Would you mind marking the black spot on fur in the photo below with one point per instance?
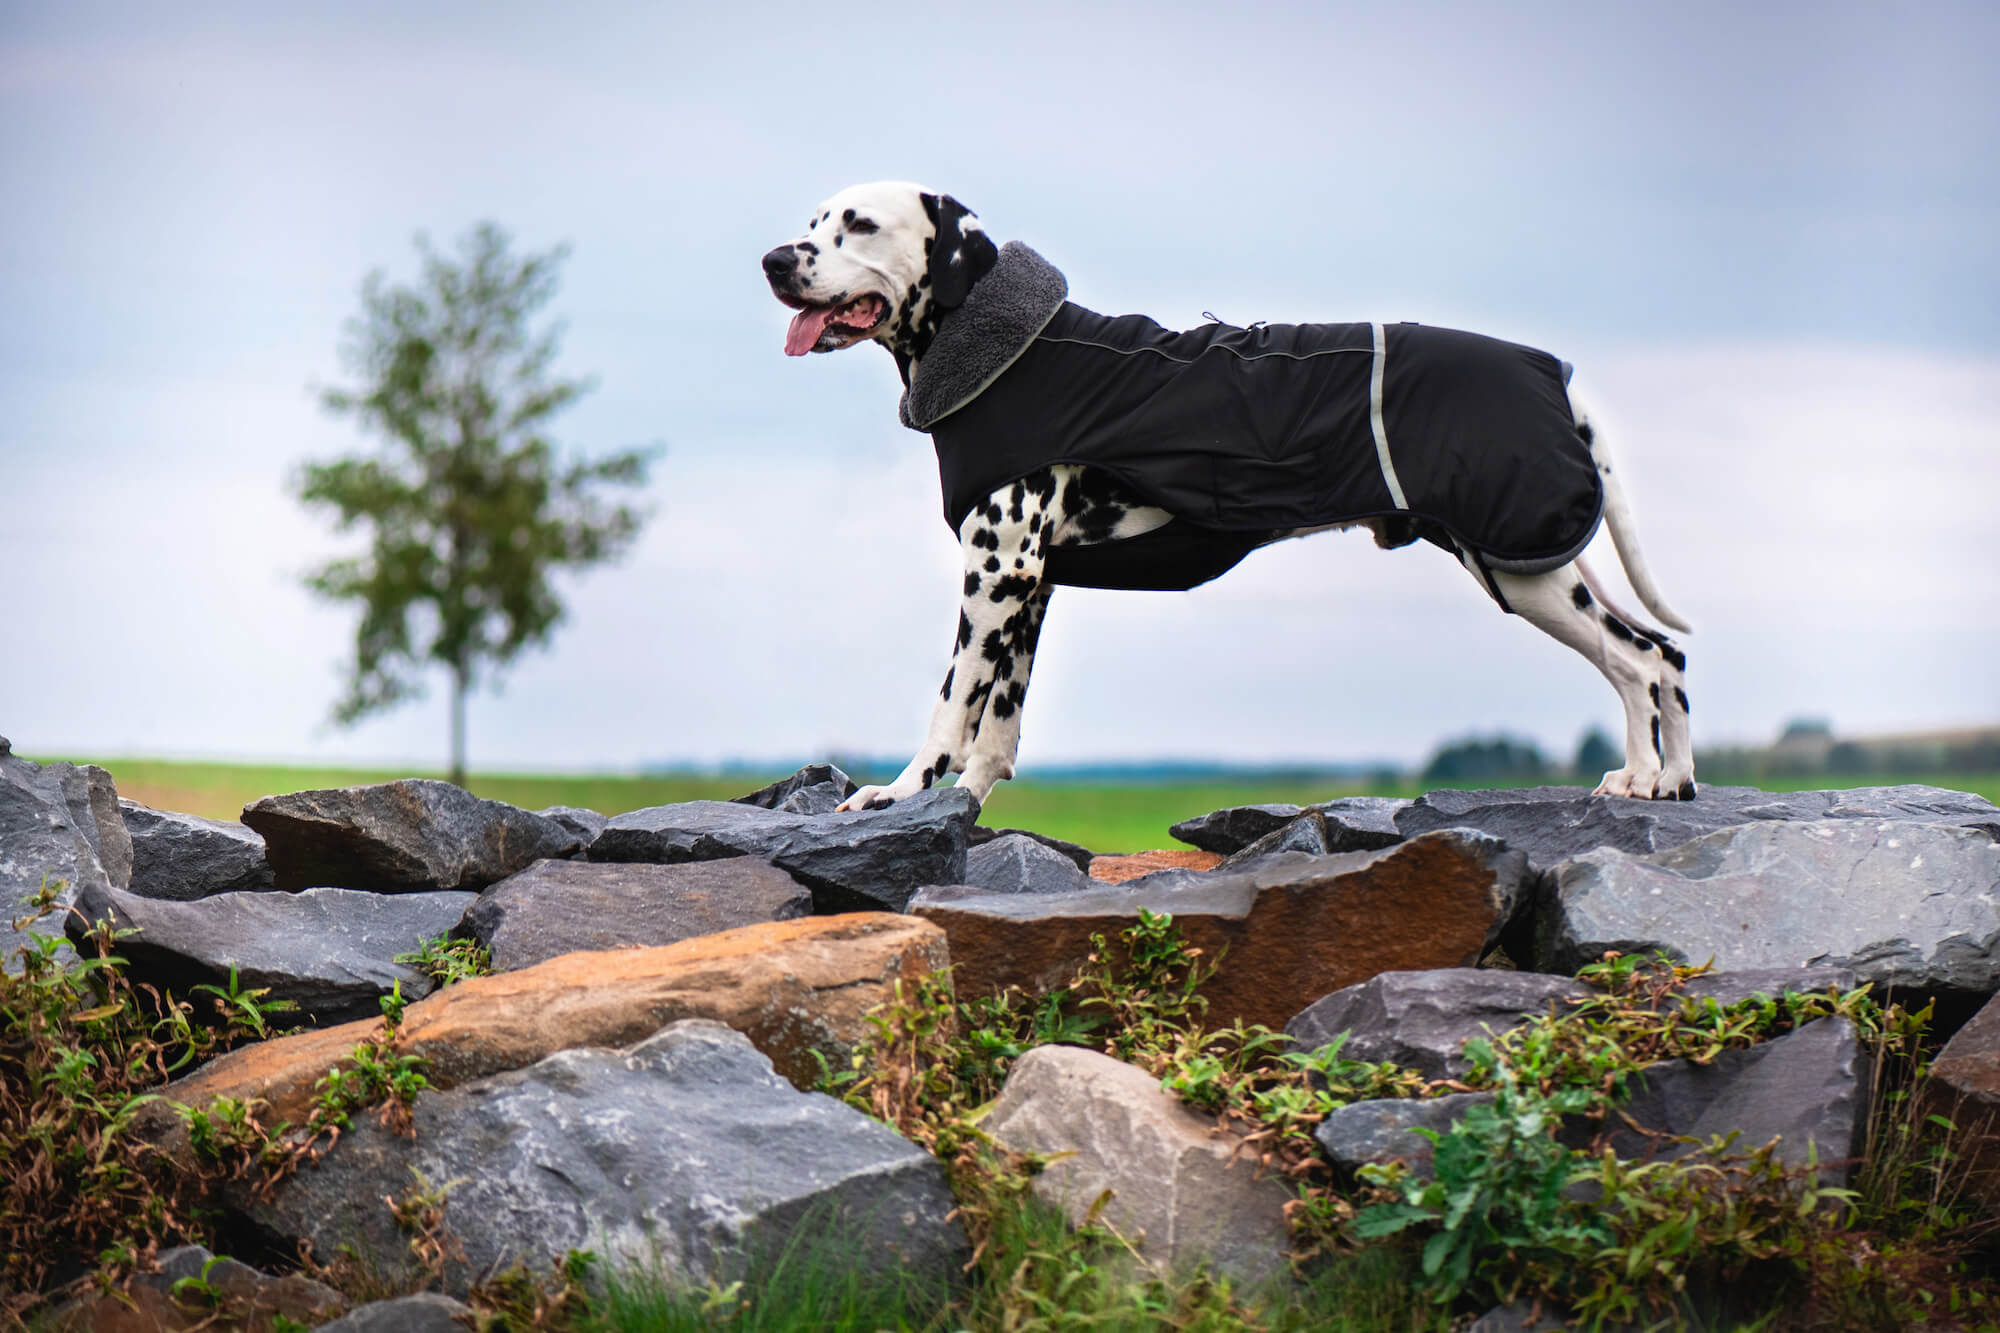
(971, 583)
(964, 632)
(1011, 586)
(1680, 697)
(992, 650)
(1015, 499)
(1675, 657)
(1019, 563)
(949, 676)
(1025, 541)
(1619, 629)
(848, 216)
(1581, 596)
(837, 240)
(1585, 432)
(943, 764)
(1654, 690)
(986, 539)
(863, 226)
(1003, 707)
(807, 247)
(1656, 738)
(992, 564)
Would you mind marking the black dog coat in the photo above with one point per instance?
(1246, 434)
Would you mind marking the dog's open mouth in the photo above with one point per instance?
(837, 324)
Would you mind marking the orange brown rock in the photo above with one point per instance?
(1288, 931)
(1118, 869)
(792, 987)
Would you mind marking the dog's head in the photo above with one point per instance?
(886, 262)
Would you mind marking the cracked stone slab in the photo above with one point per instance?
(330, 952)
(58, 823)
(684, 1151)
(1910, 907)
(559, 907)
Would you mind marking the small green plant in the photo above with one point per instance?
(447, 961)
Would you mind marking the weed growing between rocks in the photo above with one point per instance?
(446, 960)
(81, 1047)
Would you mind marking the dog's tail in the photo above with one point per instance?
(1618, 518)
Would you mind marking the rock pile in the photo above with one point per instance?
(671, 984)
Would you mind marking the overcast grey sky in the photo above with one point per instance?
(1764, 234)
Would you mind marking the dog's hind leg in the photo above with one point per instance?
(1642, 664)
(1000, 617)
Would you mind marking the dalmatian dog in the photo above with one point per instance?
(896, 264)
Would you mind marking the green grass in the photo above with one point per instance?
(1107, 818)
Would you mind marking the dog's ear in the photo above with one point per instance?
(959, 257)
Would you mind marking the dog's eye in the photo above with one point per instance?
(862, 226)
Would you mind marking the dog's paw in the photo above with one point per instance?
(1647, 785)
(877, 798)
(1636, 783)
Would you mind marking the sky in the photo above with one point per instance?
(1764, 234)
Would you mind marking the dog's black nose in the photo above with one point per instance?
(781, 262)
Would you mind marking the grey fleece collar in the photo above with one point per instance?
(1002, 314)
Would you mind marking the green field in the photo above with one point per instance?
(1126, 817)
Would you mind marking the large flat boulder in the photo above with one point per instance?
(1294, 927)
(1908, 906)
(50, 832)
(1552, 824)
(685, 1154)
(864, 860)
(329, 952)
(799, 990)
(559, 907)
(410, 836)
(1179, 1193)
(184, 857)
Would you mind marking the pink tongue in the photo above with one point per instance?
(806, 327)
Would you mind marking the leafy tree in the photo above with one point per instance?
(468, 507)
(1596, 755)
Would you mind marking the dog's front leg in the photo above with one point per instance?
(1000, 615)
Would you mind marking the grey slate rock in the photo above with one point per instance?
(815, 789)
(585, 824)
(1306, 834)
(184, 857)
(864, 860)
(1350, 823)
(245, 1290)
(559, 907)
(329, 951)
(425, 1312)
(408, 836)
(1809, 1086)
(93, 803)
(1385, 1129)
(1076, 852)
(1421, 1020)
(1908, 906)
(1020, 864)
(684, 1151)
(48, 831)
(1552, 824)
